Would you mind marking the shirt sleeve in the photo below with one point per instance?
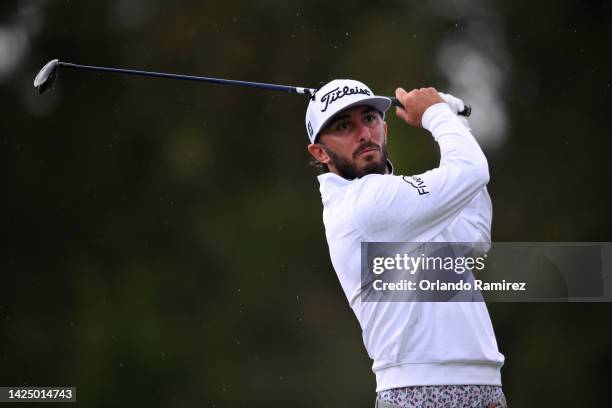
(473, 224)
(405, 208)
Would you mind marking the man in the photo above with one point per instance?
(426, 354)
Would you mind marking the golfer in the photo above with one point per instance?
(426, 354)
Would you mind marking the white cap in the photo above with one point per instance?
(336, 96)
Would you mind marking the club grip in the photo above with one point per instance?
(467, 110)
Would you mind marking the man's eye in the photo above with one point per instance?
(369, 118)
(342, 126)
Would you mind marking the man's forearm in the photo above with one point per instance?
(458, 148)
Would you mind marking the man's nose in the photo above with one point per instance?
(363, 133)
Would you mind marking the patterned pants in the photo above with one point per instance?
(444, 396)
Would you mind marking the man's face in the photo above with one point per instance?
(354, 143)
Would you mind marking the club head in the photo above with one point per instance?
(46, 76)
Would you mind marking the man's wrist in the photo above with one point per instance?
(433, 111)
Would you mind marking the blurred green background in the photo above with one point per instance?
(163, 243)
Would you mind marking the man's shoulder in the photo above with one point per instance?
(332, 183)
(372, 182)
(361, 193)
(355, 189)
(370, 192)
(356, 202)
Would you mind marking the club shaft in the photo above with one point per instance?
(231, 82)
(220, 81)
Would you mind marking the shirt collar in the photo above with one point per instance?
(389, 166)
(330, 182)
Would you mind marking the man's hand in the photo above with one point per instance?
(415, 104)
(456, 106)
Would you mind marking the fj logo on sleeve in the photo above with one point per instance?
(417, 183)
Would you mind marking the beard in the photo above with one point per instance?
(348, 168)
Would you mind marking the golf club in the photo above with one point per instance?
(47, 75)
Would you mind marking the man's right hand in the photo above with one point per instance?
(415, 104)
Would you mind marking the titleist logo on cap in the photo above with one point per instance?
(323, 105)
(335, 94)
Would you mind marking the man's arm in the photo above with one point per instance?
(419, 207)
(473, 224)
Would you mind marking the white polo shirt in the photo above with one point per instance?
(418, 343)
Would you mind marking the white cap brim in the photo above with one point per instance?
(380, 103)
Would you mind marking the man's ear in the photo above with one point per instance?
(318, 152)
